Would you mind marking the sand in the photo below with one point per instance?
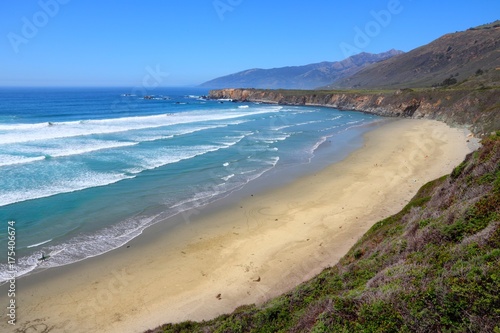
(246, 251)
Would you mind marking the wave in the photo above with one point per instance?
(226, 178)
(278, 128)
(65, 149)
(38, 244)
(19, 133)
(80, 247)
(83, 181)
(150, 136)
(206, 194)
(153, 159)
(6, 160)
(62, 150)
(137, 160)
(319, 143)
(271, 137)
(143, 160)
(74, 146)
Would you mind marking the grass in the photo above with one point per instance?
(433, 267)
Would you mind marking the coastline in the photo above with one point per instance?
(247, 251)
(458, 107)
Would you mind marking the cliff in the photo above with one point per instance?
(477, 108)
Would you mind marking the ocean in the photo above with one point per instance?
(85, 170)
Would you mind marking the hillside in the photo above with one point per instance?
(459, 56)
(298, 77)
(433, 267)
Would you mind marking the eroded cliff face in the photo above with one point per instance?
(478, 109)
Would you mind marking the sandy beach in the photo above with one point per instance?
(247, 251)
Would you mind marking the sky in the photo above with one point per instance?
(187, 42)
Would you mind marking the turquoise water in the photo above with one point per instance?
(83, 171)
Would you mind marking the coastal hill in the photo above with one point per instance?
(454, 58)
(299, 77)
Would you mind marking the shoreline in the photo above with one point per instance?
(324, 154)
(247, 251)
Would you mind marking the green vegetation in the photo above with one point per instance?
(433, 267)
(449, 82)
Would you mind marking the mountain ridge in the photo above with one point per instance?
(450, 59)
(299, 77)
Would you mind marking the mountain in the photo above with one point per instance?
(299, 77)
(453, 58)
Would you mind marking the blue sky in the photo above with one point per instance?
(119, 43)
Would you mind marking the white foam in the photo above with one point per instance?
(38, 244)
(141, 160)
(227, 177)
(152, 138)
(60, 149)
(278, 128)
(18, 133)
(6, 160)
(164, 156)
(83, 181)
(319, 143)
(80, 247)
(89, 147)
(273, 161)
(272, 137)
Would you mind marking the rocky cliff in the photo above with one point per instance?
(477, 108)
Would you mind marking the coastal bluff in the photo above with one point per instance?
(477, 108)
